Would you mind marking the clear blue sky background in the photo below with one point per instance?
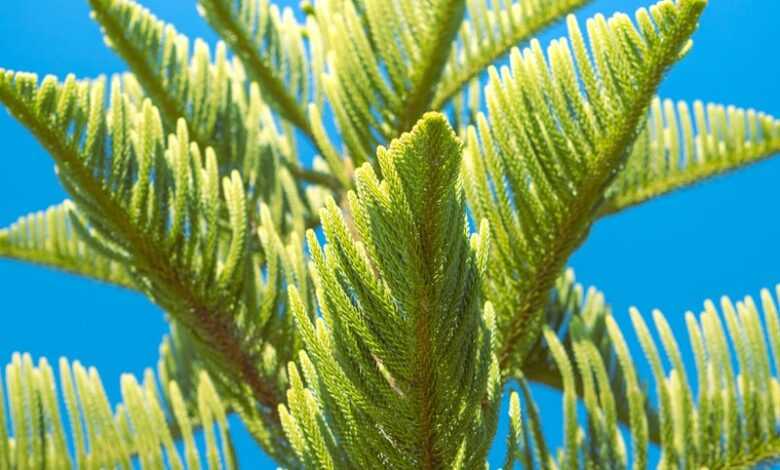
(718, 238)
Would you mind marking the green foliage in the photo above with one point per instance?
(575, 315)
(154, 206)
(398, 298)
(731, 422)
(384, 60)
(270, 45)
(670, 154)
(98, 435)
(222, 109)
(573, 140)
(388, 346)
(492, 30)
(50, 239)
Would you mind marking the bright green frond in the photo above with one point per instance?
(138, 195)
(678, 148)
(135, 432)
(48, 238)
(179, 362)
(153, 204)
(384, 59)
(491, 29)
(182, 83)
(390, 344)
(270, 44)
(731, 421)
(401, 366)
(220, 106)
(558, 129)
(576, 315)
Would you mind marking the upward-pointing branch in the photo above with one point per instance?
(555, 138)
(220, 14)
(447, 19)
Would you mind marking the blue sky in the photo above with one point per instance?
(717, 238)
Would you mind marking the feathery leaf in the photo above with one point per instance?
(153, 205)
(553, 141)
(491, 29)
(671, 153)
(221, 108)
(403, 363)
(49, 238)
(269, 43)
(731, 423)
(101, 436)
(384, 59)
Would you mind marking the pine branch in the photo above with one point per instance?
(233, 27)
(554, 380)
(113, 15)
(572, 148)
(99, 436)
(731, 423)
(491, 31)
(672, 154)
(384, 60)
(209, 96)
(436, 47)
(576, 316)
(124, 213)
(48, 238)
(399, 371)
(609, 157)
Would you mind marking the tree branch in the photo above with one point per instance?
(449, 16)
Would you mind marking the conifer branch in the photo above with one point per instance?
(389, 345)
(606, 160)
(575, 154)
(208, 315)
(384, 61)
(577, 315)
(220, 14)
(47, 238)
(490, 33)
(98, 434)
(410, 312)
(206, 95)
(671, 153)
(136, 56)
(731, 422)
(554, 380)
(447, 17)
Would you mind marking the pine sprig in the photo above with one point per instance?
(101, 436)
(269, 43)
(732, 422)
(672, 153)
(154, 208)
(389, 345)
(576, 315)
(492, 29)
(573, 141)
(49, 238)
(402, 368)
(447, 16)
(383, 60)
(222, 109)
